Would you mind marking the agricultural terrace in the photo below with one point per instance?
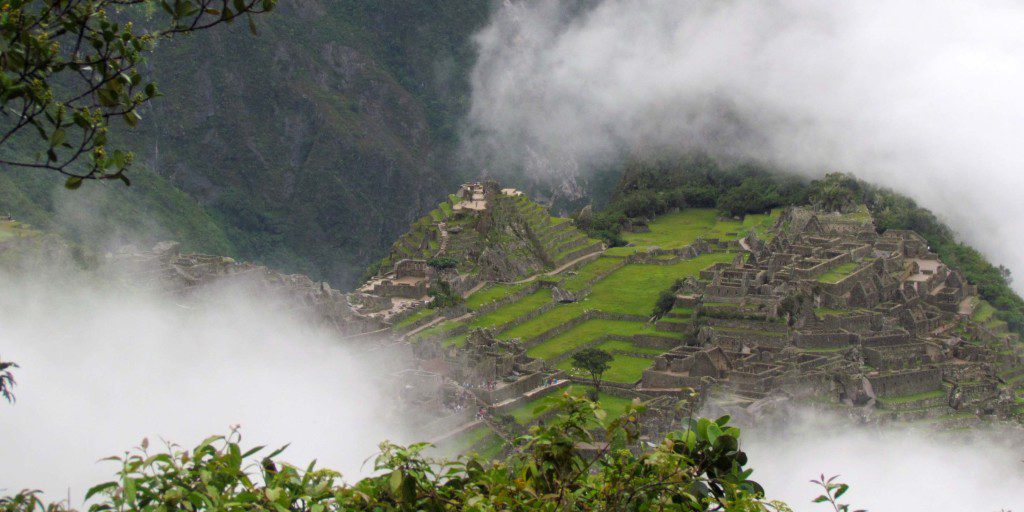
(606, 285)
(525, 413)
(677, 230)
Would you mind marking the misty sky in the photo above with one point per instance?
(923, 97)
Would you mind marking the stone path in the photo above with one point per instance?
(558, 270)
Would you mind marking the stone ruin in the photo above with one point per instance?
(829, 305)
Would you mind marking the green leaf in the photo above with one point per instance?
(98, 489)
(252, 26)
(395, 481)
(73, 183)
(57, 137)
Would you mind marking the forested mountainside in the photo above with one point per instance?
(308, 148)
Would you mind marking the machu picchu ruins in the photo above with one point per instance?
(488, 298)
(795, 305)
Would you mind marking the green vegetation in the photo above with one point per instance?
(589, 272)
(493, 292)
(543, 323)
(634, 289)
(983, 311)
(415, 317)
(586, 332)
(514, 310)
(593, 361)
(67, 86)
(622, 369)
(698, 469)
(838, 274)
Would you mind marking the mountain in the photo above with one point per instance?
(308, 147)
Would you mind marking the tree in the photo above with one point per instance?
(752, 195)
(70, 67)
(443, 263)
(593, 361)
(699, 469)
(7, 380)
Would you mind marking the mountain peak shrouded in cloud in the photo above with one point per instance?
(924, 100)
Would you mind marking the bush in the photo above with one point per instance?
(695, 470)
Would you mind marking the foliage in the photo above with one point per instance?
(444, 296)
(833, 491)
(698, 469)
(666, 300)
(753, 195)
(443, 263)
(70, 67)
(835, 193)
(7, 381)
(593, 361)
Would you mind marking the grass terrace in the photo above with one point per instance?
(838, 274)
(543, 323)
(612, 404)
(634, 289)
(983, 312)
(510, 312)
(625, 346)
(680, 229)
(589, 272)
(823, 312)
(622, 369)
(493, 292)
(420, 314)
(588, 332)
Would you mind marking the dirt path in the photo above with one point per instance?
(559, 270)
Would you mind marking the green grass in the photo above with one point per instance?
(557, 316)
(435, 330)
(512, 311)
(983, 312)
(523, 413)
(838, 274)
(446, 209)
(625, 346)
(613, 405)
(822, 312)
(623, 369)
(588, 272)
(415, 317)
(584, 333)
(468, 439)
(680, 229)
(634, 289)
(761, 223)
(491, 293)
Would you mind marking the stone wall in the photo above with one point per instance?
(907, 382)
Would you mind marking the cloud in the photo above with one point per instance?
(888, 469)
(103, 365)
(922, 98)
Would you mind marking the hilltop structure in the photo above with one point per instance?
(788, 306)
(798, 305)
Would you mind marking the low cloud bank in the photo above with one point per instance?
(888, 469)
(925, 99)
(103, 365)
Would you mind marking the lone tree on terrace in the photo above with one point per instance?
(595, 362)
(68, 68)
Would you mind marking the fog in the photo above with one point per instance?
(888, 469)
(923, 98)
(103, 365)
